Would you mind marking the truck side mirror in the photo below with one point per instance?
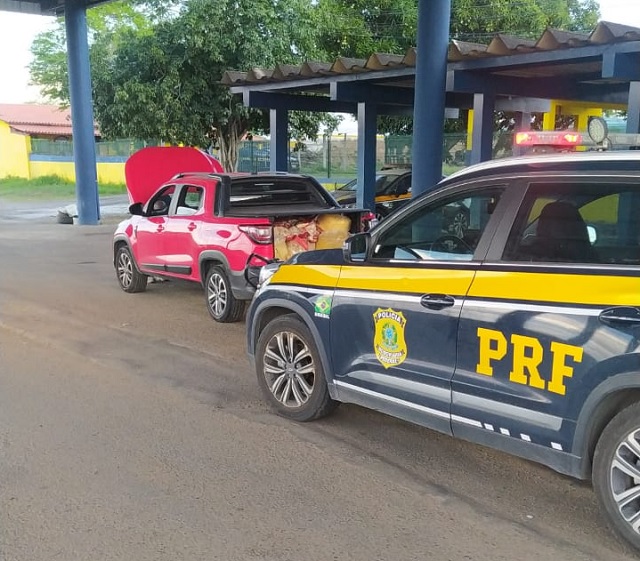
(356, 248)
(136, 209)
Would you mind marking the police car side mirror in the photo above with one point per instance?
(356, 247)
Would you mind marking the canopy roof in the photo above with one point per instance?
(44, 7)
(595, 67)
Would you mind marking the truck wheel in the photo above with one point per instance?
(616, 473)
(221, 303)
(130, 279)
(289, 371)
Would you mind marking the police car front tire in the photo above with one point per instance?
(616, 473)
(290, 372)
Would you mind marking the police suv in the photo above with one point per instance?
(522, 333)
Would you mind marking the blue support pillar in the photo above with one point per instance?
(279, 143)
(429, 96)
(633, 109)
(482, 137)
(84, 148)
(367, 129)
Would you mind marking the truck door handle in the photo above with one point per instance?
(160, 228)
(437, 301)
(621, 316)
(191, 227)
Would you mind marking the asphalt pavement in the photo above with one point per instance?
(132, 428)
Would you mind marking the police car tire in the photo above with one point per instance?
(319, 403)
(623, 424)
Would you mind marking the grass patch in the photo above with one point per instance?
(49, 187)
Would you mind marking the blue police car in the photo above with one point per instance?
(521, 333)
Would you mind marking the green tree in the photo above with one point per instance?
(105, 23)
(166, 83)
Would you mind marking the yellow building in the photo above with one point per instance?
(23, 125)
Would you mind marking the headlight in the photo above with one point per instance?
(266, 273)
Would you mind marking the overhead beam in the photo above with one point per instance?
(547, 58)
(343, 91)
(621, 66)
(294, 102)
(20, 7)
(321, 83)
(264, 100)
(546, 88)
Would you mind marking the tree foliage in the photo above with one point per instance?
(105, 24)
(166, 84)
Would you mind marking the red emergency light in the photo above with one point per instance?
(548, 138)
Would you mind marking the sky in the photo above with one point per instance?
(17, 32)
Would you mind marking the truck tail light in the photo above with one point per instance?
(258, 234)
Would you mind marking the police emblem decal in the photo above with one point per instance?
(388, 340)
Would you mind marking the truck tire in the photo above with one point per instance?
(290, 372)
(129, 278)
(223, 306)
(616, 473)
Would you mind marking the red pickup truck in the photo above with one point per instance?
(192, 221)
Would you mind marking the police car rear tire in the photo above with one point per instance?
(290, 372)
(616, 473)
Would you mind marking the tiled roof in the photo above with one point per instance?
(28, 114)
(43, 130)
(38, 119)
(501, 45)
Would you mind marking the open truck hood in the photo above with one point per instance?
(149, 168)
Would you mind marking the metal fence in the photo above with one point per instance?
(104, 149)
(333, 156)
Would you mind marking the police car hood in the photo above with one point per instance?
(149, 168)
(318, 257)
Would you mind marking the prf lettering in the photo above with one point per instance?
(527, 357)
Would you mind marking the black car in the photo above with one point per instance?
(393, 190)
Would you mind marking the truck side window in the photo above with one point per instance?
(190, 200)
(160, 203)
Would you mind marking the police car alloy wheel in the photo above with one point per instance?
(616, 473)
(290, 372)
(129, 278)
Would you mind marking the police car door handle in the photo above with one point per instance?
(437, 301)
(621, 316)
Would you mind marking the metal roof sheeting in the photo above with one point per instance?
(459, 51)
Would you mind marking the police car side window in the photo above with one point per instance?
(577, 223)
(447, 230)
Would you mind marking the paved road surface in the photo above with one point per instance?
(131, 428)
